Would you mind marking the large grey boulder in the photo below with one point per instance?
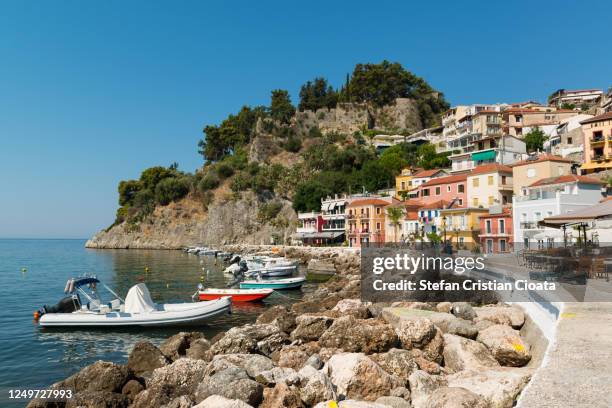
(462, 354)
(232, 383)
(253, 364)
(145, 357)
(393, 402)
(446, 322)
(198, 349)
(315, 386)
(279, 316)
(99, 376)
(310, 327)
(355, 335)
(506, 345)
(455, 397)
(356, 376)
(463, 310)
(398, 362)
(176, 346)
(96, 399)
(352, 307)
(277, 375)
(422, 385)
(509, 315)
(498, 386)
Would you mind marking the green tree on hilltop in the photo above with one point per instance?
(281, 108)
(316, 95)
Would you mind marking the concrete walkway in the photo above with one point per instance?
(577, 372)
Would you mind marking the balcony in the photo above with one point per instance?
(306, 229)
(307, 215)
(527, 225)
(506, 186)
(597, 140)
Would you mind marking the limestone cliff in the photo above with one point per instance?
(186, 222)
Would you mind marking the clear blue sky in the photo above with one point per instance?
(94, 92)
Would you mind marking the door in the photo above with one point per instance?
(489, 246)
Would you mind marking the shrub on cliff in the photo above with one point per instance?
(171, 189)
(317, 94)
(268, 211)
(293, 144)
(208, 182)
(224, 170)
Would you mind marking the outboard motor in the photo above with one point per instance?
(234, 259)
(68, 304)
(238, 272)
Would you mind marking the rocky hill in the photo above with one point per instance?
(228, 218)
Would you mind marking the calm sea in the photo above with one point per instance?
(32, 357)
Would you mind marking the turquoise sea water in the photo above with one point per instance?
(32, 357)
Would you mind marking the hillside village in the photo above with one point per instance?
(498, 193)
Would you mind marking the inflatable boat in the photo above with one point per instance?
(138, 309)
(237, 295)
(289, 283)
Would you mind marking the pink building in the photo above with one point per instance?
(451, 188)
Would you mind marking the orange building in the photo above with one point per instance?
(597, 143)
(365, 221)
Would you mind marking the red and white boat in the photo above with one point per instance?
(237, 295)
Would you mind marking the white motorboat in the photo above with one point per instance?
(138, 309)
(271, 266)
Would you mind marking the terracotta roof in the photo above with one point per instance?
(605, 116)
(435, 204)
(570, 178)
(490, 168)
(542, 158)
(368, 201)
(427, 173)
(445, 180)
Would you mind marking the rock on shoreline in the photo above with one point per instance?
(328, 347)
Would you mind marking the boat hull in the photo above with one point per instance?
(237, 295)
(292, 283)
(184, 314)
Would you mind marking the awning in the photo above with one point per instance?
(325, 207)
(485, 155)
(595, 165)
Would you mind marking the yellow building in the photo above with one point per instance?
(489, 184)
(403, 182)
(461, 226)
(597, 143)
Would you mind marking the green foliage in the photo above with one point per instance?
(375, 176)
(316, 95)
(429, 159)
(567, 105)
(153, 175)
(208, 182)
(434, 238)
(235, 131)
(224, 170)
(380, 84)
(242, 181)
(281, 108)
(293, 144)
(171, 189)
(535, 139)
(314, 132)
(269, 211)
(127, 191)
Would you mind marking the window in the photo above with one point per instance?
(491, 200)
(531, 173)
(426, 192)
(461, 201)
(561, 170)
(475, 201)
(475, 182)
(504, 180)
(378, 226)
(502, 245)
(437, 190)
(488, 226)
(502, 226)
(490, 180)
(377, 210)
(448, 189)
(460, 188)
(403, 187)
(569, 140)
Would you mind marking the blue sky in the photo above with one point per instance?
(94, 92)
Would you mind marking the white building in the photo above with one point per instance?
(504, 150)
(547, 198)
(333, 211)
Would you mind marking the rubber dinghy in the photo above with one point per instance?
(237, 295)
(138, 309)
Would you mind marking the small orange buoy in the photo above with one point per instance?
(36, 315)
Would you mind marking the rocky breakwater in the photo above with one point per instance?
(328, 347)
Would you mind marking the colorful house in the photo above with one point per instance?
(496, 230)
(429, 217)
(408, 224)
(597, 143)
(409, 180)
(488, 185)
(449, 188)
(365, 221)
(461, 226)
(534, 168)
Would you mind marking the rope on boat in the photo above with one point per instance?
(285, 296)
